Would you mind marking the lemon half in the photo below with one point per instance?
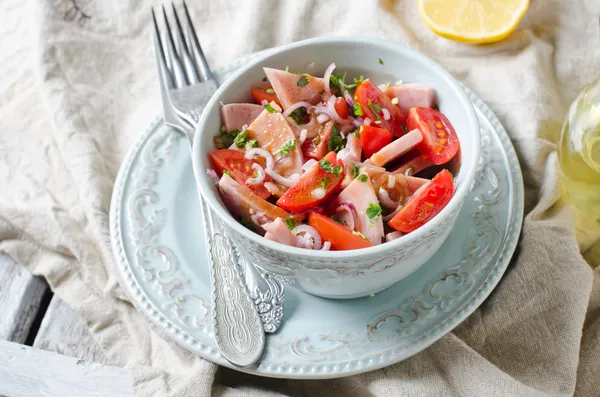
(473, 21)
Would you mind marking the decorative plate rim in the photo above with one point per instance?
(393, 354)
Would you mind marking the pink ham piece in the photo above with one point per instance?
(414, 165)
(411, 96)
(272, 131)
(396, 148)
(286, 87)
(349, 155)
(242, 202)
(237, 115)
(360, 195)
(278, 231)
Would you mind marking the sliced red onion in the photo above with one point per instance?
(281, 179)
(273, 188)
(367, 121)
(347, 214)
(357, 122)
(344, 154)
(318, 193)
(384, 198)
(386, 114)
(323, 118)
(244, 127)
(214, 178)
(294, 106)
(391, 181)
(393, 214)
(348, 98)
(419, 190)
(260, 178)
(303, 135)
(326, 246)
(310, 233)
(259, 218)
(393, 236)
(309, 163)
(374, 167)
(250, 153)
(264, 102)
(326, 78)
(333, 113)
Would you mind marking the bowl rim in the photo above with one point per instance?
(405, 240)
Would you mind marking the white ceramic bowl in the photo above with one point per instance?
(345, 274)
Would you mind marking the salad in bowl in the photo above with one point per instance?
(334, 162)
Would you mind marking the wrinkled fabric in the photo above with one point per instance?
(78, 85)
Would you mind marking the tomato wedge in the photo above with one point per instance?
(374, 139)
(315, 185)
(427, 203)
(341, 108)
(316, 148)
(261, 94)
(440, 142)
(373, 101)
(240, 169)
(340, 237)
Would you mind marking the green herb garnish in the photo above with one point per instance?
(373, 211)
(225, 172)
(228, 137)
(302, 81)
(287, 68)
(337, 170)
(375, 108)
(269, 108)
(253, 143)
(270, 91)
(404, 128)
(359, 234)
(324, 182)
(355, 171)
(362, 178)
(435, 107)
(338, 81)
(379, 61)
(240, 140)
(289, 145)
(336, 142)
(327, 167)
(338, 220)
(356, 133)
(299, 115)
(356, 109)
(264, 78)
(290, 222)
(316, 140)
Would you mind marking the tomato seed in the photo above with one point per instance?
(443, 142)
(439, 126)
(441, 133)
(438, 149)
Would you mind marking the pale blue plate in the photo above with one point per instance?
(157, 239)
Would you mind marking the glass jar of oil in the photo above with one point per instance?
(579, 157)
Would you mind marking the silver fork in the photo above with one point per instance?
(241, 314)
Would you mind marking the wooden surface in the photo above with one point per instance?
(29, 372)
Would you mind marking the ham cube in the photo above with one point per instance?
(411, 96)
(288, 91)
(272, 131)
(237, 115)
(278, 231)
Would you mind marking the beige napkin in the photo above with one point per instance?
(78, 86)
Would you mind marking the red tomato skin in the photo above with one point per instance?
(299, 196)
(367, 91)
(374, 139)
(440, 143)
(339, 236)
(317, 151)
(426, 205)
(341, 108)
(260, 94)
(239, 167)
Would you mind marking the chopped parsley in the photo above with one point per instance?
(404, 128)
(324, 182)
(435, 107)
(373, 211)
(241, 138)
(302, 81)
(338, 220)
(287, 68)
(289, 145)
(225, 172)
(269, 108)
(228, 137)
(355, 171)
(356, 109)
(270, 91)
(338, 81)
(327, 167)
(253, 143)
(379, 61)
(264, 78)
(290, 222)
(316, 140)
(299, 115)
(362, 178)
(359, 234)
(375, 108)
(336, 142)
(356, 133)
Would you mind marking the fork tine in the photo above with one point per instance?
(195, 48)
(188, 64)
(176, 69)
(159, 53)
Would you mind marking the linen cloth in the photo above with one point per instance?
(78, 86)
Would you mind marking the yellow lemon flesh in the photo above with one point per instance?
(473, 21)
